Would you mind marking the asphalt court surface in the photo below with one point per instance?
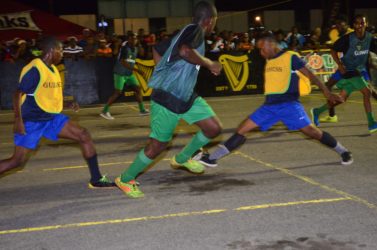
(278, 191)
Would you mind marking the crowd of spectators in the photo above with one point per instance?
(91, 45)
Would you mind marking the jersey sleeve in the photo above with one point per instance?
(29, 81)
(342, 44)
(297, 63)
(162, 46)
(192, 37)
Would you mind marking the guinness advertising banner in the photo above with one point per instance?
(17, 20)
(320, 63)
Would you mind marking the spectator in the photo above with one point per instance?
(294, 44)
(282, 44)
(245, 45)
(22, 51)
(217, 44)
(104, 50)
(86, 34)
(90, 50)
(72, 51)
(229, 43)
(340, 28)
(295, 33)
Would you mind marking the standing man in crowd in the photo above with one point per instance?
(173, 98)
(124, 69)
(39, 115)
(352, 74)
(282, 103)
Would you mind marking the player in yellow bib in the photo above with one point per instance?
(37, 105)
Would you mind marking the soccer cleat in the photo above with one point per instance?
(107, 116)
(144, 112)
(190, 165)
(129, 188)
(314, 116)
(328, 118)
(104, 182)
(346, 158)
(373, 128)
(206, 161)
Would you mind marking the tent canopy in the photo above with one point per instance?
(23, 21)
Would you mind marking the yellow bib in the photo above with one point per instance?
(49, 92)
(278, 74)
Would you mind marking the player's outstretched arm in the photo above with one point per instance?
(19, 127)
(192, 56)
(332, 98)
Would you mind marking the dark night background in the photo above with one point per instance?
(69, 7)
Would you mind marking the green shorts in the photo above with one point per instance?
(163, 121)
(120, 81)
(352, 84)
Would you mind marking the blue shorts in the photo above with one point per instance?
(292, 114)
(337, 76)
(34, 131)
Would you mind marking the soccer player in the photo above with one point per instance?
(352, 72)
(173, 98)
(123, 75)
(281, 104)
(39, 115)
(355, 58)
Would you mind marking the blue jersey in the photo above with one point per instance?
(30, 110)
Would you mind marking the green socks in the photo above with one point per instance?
(141, 107)
(198, 141)
(140, 163)
(370, 117)
(106, 108)
(321, 109)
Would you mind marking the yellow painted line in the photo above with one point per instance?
(310, 181)
(101, 165)
(166, 216)
(293, 203)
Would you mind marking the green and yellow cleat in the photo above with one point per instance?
(190, 165)
(372, 128)
(329, 119)
(129, 188)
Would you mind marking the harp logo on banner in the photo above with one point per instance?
(236, 69)
(144, 73)
(17, 20)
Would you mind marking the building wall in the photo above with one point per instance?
(87, 21)
(146, 8)
(279, 19)
(235, 21)
(122, 25)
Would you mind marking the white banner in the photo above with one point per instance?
(17, 20)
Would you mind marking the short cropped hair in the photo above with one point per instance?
(358, 16)
(204, 10)
(49, 42)
(267, 36)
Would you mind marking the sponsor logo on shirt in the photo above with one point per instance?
(361, 52)
(274, 69)
(52, 85)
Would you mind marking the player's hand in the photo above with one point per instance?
(215, 68)
(334, 98)
(342, 69)
(19, 127)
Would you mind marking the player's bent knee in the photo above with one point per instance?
(154, 148)
(84, 136)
